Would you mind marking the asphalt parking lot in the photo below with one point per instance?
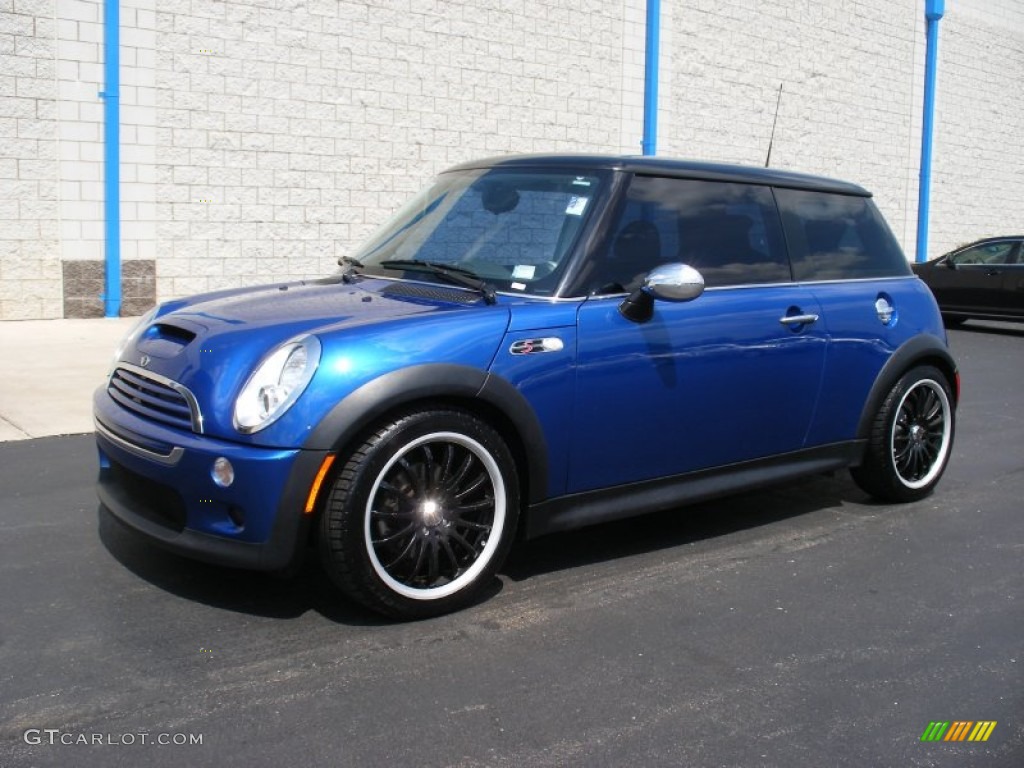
(803, 626)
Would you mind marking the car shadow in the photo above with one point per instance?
(269, 595)
(683, 525)
(308, 588)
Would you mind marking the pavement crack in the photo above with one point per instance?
(16, 427)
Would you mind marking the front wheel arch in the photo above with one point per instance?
(490, 397)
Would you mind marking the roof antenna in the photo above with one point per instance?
(775, 121)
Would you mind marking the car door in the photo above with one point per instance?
(1009, 299)
(727, 377)
(973, 279)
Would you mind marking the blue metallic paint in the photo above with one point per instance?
(860, 344)
(711, 381)
(546, 380)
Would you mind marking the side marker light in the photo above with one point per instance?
(325, 467)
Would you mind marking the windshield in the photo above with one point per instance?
(512, 229)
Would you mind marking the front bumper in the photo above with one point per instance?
(156, 480)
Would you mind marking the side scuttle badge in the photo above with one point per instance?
(534, 346)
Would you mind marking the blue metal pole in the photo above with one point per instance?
(112, 157)
(653, 42)
(934, 10)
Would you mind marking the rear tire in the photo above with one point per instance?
(422, 515)
(911, 438)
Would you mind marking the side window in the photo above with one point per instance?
(833, 237)
(730, 232)
(990, 253)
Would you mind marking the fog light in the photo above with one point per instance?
(223, 473)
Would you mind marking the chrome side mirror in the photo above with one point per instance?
(675, 282)
(669, 282)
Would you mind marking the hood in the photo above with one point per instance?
(306, 305)
(212, 343)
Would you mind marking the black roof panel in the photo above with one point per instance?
(663, 166)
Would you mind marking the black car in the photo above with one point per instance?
(983, 280)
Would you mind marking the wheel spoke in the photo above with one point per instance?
(930, 407)
(396, 535)
(450, 554)
(402, 555)
(461, 523)
(411, 474)
(446, 467)
(460, 539)
(477, 506)
(428, 467)
(474, 485)
(463, 470)
(421, 550)
(389, 515)
(433, 566)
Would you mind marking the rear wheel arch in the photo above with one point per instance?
(919, 351)
(911, 439)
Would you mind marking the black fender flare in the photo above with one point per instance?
(438, 381)
(919, 349)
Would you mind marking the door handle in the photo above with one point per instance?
(798, 319)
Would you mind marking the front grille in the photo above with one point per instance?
(154, 397)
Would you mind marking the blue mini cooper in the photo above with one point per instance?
(532, 344)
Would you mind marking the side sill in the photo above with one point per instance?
(578, 510)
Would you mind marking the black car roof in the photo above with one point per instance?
(662, 166)
(982, 241)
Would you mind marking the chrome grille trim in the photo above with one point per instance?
(155, 397)
(168, 459)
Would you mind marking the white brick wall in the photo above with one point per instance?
(260, 140)
(978, 173)
(288, 133)
(79, 52)
(30, 272)
(847, 76)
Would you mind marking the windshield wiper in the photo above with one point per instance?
(350, 274)
(452, 273)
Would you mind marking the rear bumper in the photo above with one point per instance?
(157, 481)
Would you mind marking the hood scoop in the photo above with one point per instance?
(164, 340)
(429, 293)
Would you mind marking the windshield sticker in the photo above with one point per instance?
(580, 181)
(576, 205)
(523, 272)
(519, 286)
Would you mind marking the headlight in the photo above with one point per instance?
(129, 338)
(276, 383)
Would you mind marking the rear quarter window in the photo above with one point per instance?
(838, 237)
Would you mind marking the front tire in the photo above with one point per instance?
(911, 438)
(421, 515)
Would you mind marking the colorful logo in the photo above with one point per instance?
(958, 730)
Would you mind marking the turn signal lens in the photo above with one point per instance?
(314, 491)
